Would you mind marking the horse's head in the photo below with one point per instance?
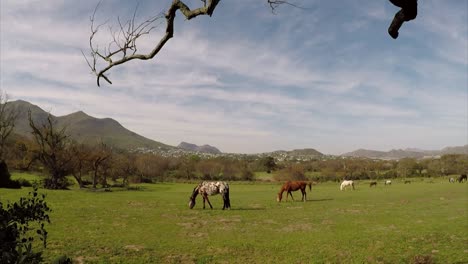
(279, 197)
(192, 197)
(191, 203)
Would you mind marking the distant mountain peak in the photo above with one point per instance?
(204, 148)
(85, 128)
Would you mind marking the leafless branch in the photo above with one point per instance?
(8, 116)
(276, 3)
(123, 46)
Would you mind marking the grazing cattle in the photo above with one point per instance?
(462, 178)
(345, 184)
(374, 183)
(451, 180)
(388, 182)
(406, 182)
(292, 186)
(206, 189)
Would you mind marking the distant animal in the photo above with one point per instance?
(292, 186)
(407, 181)
(388, 182)
(345, 184)
(451, 180)
(462, 178)
(208, 188)
(374, 183)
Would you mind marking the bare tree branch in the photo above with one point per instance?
(8, 117)
(276, 3)
(123, 46)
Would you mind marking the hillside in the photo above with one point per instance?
(84, 128)
(406, 153)
(203, 149)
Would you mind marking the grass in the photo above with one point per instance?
(387, 224)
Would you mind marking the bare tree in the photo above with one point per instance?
(8, 117)
(7, 122)
(100, 162)
(54, 152)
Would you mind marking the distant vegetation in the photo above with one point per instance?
(67, 147)
(102, 166)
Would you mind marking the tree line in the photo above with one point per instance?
(51, 151)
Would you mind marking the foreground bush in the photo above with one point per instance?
(15, 226)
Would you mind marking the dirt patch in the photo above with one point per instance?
(134, 247)
(79, 260)
(197, 235)
(179, 259)
(297, 227)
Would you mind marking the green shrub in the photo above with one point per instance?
(15, 220)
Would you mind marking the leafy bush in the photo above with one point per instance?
(15, 220)
(56, 183)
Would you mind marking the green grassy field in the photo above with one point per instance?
(387, 224)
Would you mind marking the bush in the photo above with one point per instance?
(56, 184)
(247, 175)
(16, 246)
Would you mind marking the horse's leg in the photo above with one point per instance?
(204, 199)
(290, 193)
(208, 200)
(304, 195)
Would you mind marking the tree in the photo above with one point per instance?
(53, 151)
(269, 163)
(123, 45)
(80, 164)
(7, 123)
(100, 161)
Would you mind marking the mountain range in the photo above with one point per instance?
(83, 128)
(90, 130)
(406, 153)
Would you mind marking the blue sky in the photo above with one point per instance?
(245, 80)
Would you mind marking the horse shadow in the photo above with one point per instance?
(248, 209)
(320, 200)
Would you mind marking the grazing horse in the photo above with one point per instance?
(211, 188)
(462, 178)
(451, 180)
(388, 182)
(374, 183)
(407, 181)
(345, 184)
(292, 186)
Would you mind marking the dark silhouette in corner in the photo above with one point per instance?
(409, 11)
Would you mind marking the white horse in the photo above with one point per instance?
(345, 184)
(388, 182)
(211, 188)
(451, 180)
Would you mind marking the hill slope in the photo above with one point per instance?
(84, 128)
(204, 148)
(406, 153)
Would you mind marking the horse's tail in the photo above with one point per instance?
(227, 201)
(310, 186)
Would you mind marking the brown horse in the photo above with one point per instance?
(292, 186)
(374, 183)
